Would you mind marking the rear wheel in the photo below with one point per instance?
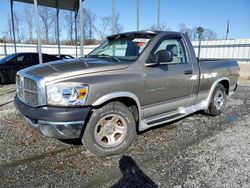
(218, 101)
(110, 130)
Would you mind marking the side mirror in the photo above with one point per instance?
(163, 56)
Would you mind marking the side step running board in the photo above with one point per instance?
(154, 121)
(160, 120)
(168, 117)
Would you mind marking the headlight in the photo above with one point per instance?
(67, 94)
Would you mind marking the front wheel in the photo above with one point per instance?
(218, 101)
(110, 130)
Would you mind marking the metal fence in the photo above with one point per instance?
(238, 49)
(8, 48)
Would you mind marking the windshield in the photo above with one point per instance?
(122, 47)
(7, 58)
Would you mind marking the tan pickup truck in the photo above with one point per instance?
(131, 82)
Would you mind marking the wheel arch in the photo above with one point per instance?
(224, 81)
(127, 98)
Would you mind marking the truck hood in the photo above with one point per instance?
(73, 67)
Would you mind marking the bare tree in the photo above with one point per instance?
(8, 33)
(184, 29)
(5, 36)
(17, 22)
(209, 34)
(118, 26)
(28, 19)
(104, 27)
(70, 21)
(89, 23)
(53, 20)
(9, 29)
(163, 27)
(194, 34)
(46, 22)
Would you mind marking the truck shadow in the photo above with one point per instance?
(76, 142)
(133, 176)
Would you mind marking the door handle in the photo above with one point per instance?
(188, 72)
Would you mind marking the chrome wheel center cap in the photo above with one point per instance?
(109, 128)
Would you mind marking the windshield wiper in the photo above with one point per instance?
(106, 55)
(112, 57)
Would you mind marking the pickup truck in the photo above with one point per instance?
(132, 82)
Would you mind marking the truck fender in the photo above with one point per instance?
(115, 95)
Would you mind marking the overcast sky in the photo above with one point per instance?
(211, 14)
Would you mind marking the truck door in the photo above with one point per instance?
(168, 85)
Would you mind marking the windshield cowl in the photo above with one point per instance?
(106, 56)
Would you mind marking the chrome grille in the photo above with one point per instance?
(30, 84)
(27, 90)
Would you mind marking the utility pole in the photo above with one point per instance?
(227, 29)
(158, 14)
(76, 12)
(138, 16)
(113, 17)
(57, 30)
(13, 24)
(81, 28)
(39, 48)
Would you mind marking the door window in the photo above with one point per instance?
(20, 58)
(24, 59)
(48, 58)
(17, 60)
(175, 47)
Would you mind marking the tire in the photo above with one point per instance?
(110, 130)
(218, 101)
(1, 80)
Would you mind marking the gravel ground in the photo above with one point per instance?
(197, 151)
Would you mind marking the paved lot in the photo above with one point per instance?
(197, 151)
